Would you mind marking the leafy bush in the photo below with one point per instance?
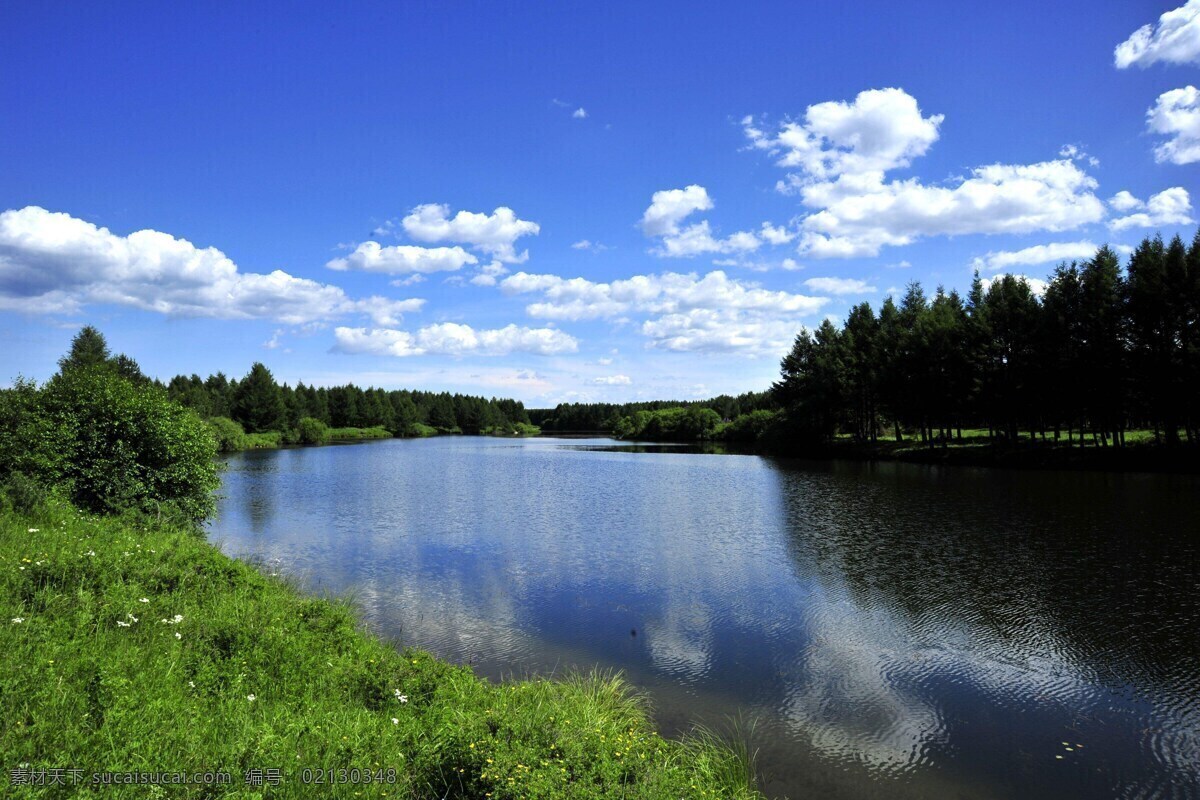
(670, 424)
(125, 445)
(23, 494)
(228, 434)
(312, 431)
(420, 430)
(749, 427)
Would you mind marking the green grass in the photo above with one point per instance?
(421, 430)
(265, 440)
(356, 434)
(255, 675)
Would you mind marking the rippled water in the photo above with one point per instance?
(886, 630)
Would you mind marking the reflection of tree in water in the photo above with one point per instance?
(1097, 569)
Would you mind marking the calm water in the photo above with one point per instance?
(887, 630)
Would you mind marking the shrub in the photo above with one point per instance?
(310, 430)
(127, 446)
(749, 427)
(228, 434)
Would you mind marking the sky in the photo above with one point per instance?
(560, 202)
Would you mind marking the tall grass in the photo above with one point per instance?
(132, 647)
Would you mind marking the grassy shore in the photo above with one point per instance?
(134, 648)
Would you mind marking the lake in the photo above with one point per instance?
(874, 630)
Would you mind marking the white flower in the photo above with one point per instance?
(192, 684)
(90, 553)
(395, 721)
(144, 599)
(132, 617)
(403, 698)
(18, 620)
(178, 618)
(178, 635)
(34, 530)
(122, 624)
(251, 698)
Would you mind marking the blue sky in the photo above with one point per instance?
(564, 202)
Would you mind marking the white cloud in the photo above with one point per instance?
(1124, 201)
(403, 259)
(1174, 40)
(613, 380)
(1176, 114)
(839, 285)
(488, 274)
(604, 362)
(843, 150)
(579, 113)
(721, 330)
(881, 130)
(688, 311)
(1038, 254)
(585, 244)
(411, 280)
(774, 235)
(669, 207)
(861, 214)
(1169, 207)
(51, 262)
(494, 234)
(1036, 285)
(454, 339)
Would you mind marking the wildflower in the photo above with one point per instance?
(178, 618)
(395, 721)
(122, 624)
(192, 684)
(251, 698)
(18, 620)
(33, 530)
(132, 617)
(90, 553)
(178, 635)
(403, 698)
(144, 599)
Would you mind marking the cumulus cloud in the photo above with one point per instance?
(454, 339)
(839, 285)
(403, 259)
(668, 208)
(53, 262)
(1124, 201)
(688, 310)
(1038, 254)
(1175, 39)
(494, 234)
(1176, 114)
(1169, 207)
(579, 113)
(613, 380)
(488, 274)
(883, 129)
(843, 150)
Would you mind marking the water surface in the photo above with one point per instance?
(886, 630)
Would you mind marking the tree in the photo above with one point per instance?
(257, 403)
(88, 349)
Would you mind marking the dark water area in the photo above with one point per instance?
(876, 630)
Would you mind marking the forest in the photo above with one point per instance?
(257, 411)
(1104, 357)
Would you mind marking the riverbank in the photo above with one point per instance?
(133, 647)
(271, 440)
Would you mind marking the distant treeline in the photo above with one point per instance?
(606, 417)
(259, 405)
(1100, 353)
